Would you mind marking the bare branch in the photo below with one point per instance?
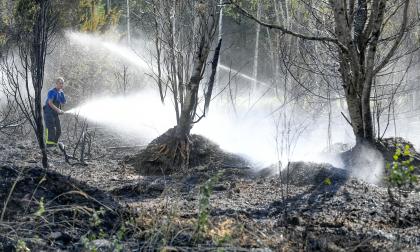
(282, 28)
(397, 40)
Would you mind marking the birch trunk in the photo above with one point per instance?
(171, 150)
(256, 50)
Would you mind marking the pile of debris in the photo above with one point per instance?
(202, 152)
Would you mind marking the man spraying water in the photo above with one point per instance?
(52, 109)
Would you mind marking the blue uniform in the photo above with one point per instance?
(52, 122)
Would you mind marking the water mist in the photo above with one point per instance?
(239, 129)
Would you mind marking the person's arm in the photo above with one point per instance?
(51, 104)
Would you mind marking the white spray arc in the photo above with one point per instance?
(90, 41)
(138, 114)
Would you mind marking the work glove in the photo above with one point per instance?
(60, 112)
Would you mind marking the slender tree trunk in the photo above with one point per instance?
(190, 102)
(367, 114)
(171, 150)
(358, 26)
(220, 33)
(256, 49)
(38, 55)
(204, 32)
(108, 6)
(128, 24)
(355, 113)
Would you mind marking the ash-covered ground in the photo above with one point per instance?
(106, 205)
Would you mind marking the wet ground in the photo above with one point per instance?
(106, 205)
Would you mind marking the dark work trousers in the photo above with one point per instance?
(52, 127)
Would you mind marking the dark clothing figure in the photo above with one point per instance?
(52, 122)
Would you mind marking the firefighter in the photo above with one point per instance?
(52, 109)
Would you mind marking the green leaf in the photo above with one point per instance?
(327, 181)
(41, 209)
(407, 150)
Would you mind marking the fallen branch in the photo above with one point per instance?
(68, 157)
(10, 126)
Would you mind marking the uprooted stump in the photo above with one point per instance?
(163, 154)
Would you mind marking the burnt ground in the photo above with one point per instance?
(107, 205)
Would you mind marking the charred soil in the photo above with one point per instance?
(220, 203)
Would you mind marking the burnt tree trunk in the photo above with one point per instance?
(38, 55)
(35, 24)
(205, 27)
(171, 151)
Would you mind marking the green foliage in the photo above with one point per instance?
(68, 13)
(3, 39)
(86, 241)
(400, 176)
(116, 239)
(26, 12)
(401, 170)
(204, 206)
(94, 18)
(327, 181)
(5, 17)
(295, 5)
(95, 220)
(250, 5)
(21, 246)
(231, 11)
(41, 209)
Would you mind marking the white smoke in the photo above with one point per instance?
(368, 165)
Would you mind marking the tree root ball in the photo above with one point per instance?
(169, 153)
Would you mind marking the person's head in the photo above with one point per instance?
(59, 83)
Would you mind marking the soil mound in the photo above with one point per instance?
(203, 152)
(57, 209)
(388, 147)
(307, 173)
(361, 156)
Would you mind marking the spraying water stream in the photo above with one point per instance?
(142, 114)
(125, 53)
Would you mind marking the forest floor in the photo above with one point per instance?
(107, 205)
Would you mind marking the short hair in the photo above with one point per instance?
(60, 79)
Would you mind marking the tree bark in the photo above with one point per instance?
(357, 28)
(38, 55)
(171, 150)
(256, 49)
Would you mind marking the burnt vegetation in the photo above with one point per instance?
(344, 73)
